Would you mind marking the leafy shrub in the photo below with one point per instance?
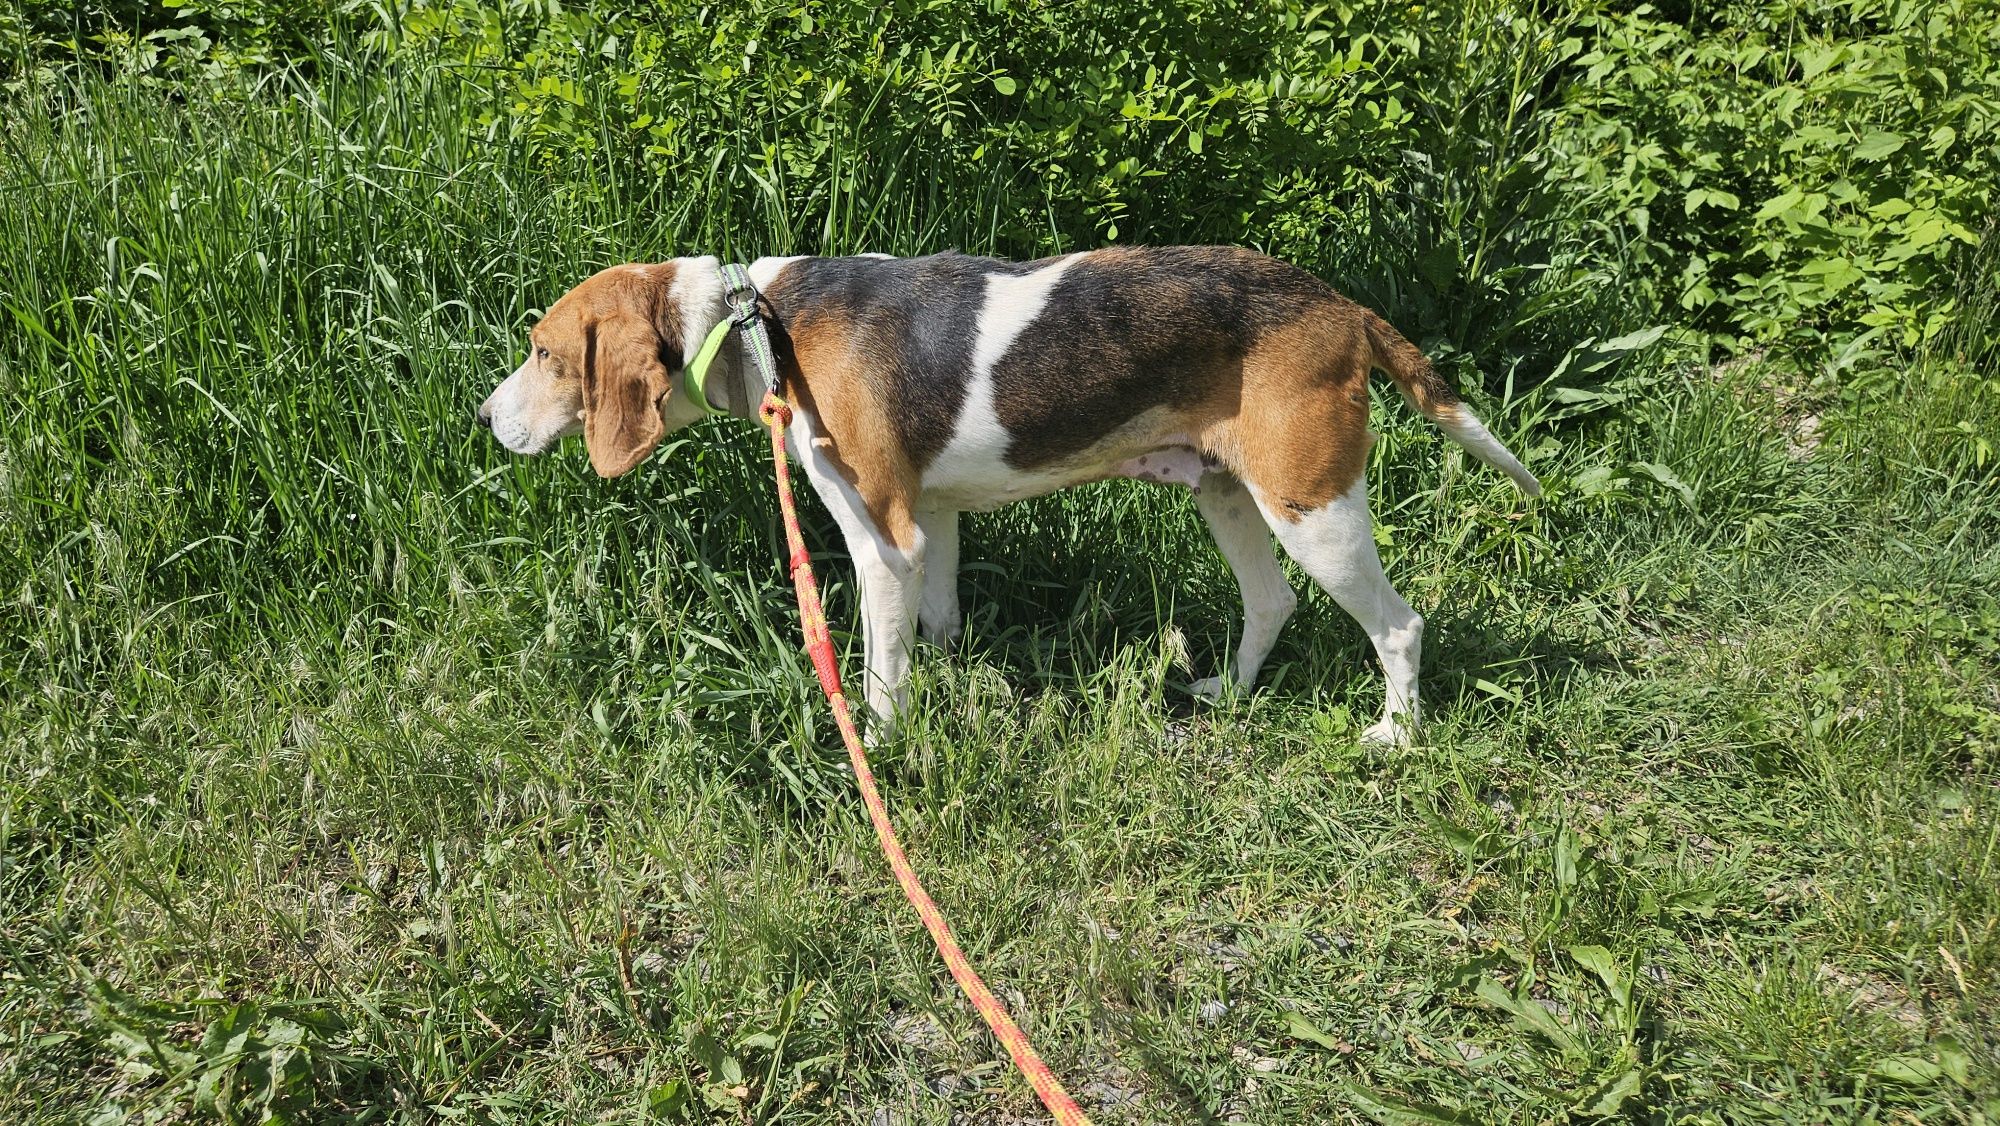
(1792, 174)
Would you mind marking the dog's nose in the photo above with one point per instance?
(485, 419)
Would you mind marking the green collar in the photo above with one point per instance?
(694, 378)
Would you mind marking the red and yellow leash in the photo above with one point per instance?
(819, 645)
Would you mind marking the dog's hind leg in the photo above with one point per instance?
(1268, 601)
(938, 617)
(1299, 441)
(1335, 544)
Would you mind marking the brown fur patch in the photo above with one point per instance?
(829, 371)
(1419, 382)
(1300, 435)
(623, 383)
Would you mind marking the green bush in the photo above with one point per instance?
(1795, 174)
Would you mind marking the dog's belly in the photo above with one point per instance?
(978, 484)
(1172, 465)
(984, 483)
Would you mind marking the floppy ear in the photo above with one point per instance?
(623, 383)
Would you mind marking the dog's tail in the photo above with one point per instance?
(1434, 399)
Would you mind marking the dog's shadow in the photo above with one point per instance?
(1053, 595)
(1049, 600)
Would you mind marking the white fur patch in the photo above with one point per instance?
(697, 294)
(1461, 427)
(764, 271)
(525, 418)
(891, 582)
(1335, 544)
(972, 471)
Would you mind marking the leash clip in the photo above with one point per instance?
(740, 294)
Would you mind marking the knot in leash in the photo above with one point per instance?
(775, 410)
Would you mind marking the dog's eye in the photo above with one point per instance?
(541, 353)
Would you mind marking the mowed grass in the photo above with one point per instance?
(354, 770)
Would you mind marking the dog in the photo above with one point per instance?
(926, 387)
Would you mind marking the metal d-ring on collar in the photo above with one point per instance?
(740, 294)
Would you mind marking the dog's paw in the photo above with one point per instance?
(1387, 733)
(945, 633)
(1214, 689)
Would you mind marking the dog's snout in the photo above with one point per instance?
(484, 416)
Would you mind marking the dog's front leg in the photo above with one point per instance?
(887, 545)
(892, 582)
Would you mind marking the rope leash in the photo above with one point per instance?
(776, 414)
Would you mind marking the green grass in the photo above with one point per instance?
(352, 769)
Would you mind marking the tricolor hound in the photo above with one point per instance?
(924, 387)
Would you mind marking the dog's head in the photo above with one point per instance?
(601, 363)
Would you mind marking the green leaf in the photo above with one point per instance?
(1633, 341)
(1194, 140)
(1779, 204)
(1926, 229)
(1297, 1026)
(1617, 974)
(1597, 960)
(1598, 479)
(1579, 395)
(1393, 1111)
(1953, 1060)
(1666, 477)
(1005, 85)
(668, 1099)
(1911, 1071)
(1711, 197)
(1611, 1095)
(1876, 146)
(1530, 1014)
(1835, 274)
(1477, 846)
